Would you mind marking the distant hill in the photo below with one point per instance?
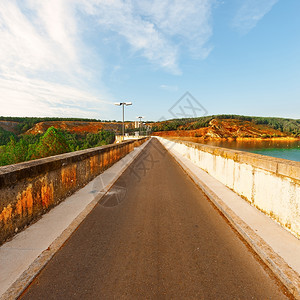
(229, 126)
(215, 126)
(17, 128)
(10, 126)
(35, 125)
(19, 125)
(78, 127)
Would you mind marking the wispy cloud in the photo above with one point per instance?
(37, 40)
(170, 88)
(42, 70)
(250, 13)
(152, 27)
(44, 59)
(33, 97)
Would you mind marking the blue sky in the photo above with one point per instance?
(75, 58)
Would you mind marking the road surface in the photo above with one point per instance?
(155, 236)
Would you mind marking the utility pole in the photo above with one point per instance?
(140, 122)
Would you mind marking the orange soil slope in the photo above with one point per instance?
(74, 126)
(226, 128)
(9, 126)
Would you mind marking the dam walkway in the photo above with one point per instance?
(155, 235)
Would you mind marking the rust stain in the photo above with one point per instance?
(6, 213)
(25, 202)
(93, 164)
(288, 225)
(100, 161)
(105, 159)
(47, 194)
(69, 176)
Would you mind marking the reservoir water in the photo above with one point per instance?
(291, 154)
(282, 149)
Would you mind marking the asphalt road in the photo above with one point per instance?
(155, 236)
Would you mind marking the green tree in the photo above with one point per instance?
(5, 136)
(14, 152)
(52, 142)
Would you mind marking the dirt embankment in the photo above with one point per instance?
(9, 126)
(227, 129)
(74, 126)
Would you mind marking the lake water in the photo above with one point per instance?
(282, 149)
(291, 154)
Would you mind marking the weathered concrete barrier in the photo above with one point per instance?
(119, 138)
(29, 189)
(270, 184)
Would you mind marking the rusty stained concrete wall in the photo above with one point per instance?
(29, 189)
(270, 184)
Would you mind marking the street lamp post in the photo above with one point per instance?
(146, 128)
(140, 122)
(123, 125)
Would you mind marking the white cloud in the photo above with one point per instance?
(251, 12)
(188, 22)
(158, 29)
(43, 57)
(36, 41)
(21, 96)
(42, 71)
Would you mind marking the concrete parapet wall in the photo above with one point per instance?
(29, 189)
(270, 184)
(119, 138)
